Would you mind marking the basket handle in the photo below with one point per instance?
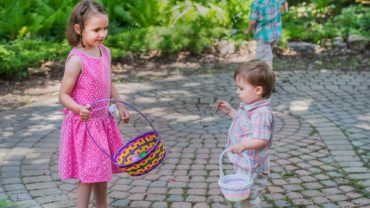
(120, 101)
(124, 103)
(220, 163)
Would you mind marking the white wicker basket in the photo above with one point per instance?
(235, 187)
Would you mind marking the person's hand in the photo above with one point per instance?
(247, 32)
(124, 114)
(85, 113)
(237, 148)
(223, 106)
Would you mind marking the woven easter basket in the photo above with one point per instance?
(235, 187)
(141, 154)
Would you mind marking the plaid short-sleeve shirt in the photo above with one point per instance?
(254, 121)
(267, 15)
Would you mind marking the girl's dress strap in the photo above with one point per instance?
(73, 52)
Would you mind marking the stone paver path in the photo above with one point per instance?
(320, 155)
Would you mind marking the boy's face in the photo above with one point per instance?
(247, 93)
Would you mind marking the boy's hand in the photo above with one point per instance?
(237, 148)
(223, 106)
(85, 113)
(124, 114)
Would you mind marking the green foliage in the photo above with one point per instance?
(169, 40)
(135, 13)
(44, 18)
(315, 21)
(352, 20)
(237, 12)
(17, 56)
(6, 203)
(32, 31)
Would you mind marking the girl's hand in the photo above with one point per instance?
(237, 148)
(223, 106)
(123, 113)
(85, 113)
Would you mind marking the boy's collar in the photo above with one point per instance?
(264, 102)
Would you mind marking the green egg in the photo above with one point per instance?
(142, 154)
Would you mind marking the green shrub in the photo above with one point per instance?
(314, 22)
(43, 18)
(169, 40)
(352, 20)
(33, 31)
(135, 13)
(17, 56)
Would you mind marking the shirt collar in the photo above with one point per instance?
(264, 102)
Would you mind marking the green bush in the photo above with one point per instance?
(17, 56)
(33, 31)
(314, 22)
(352, 20)
(42, 18)
(169, 40)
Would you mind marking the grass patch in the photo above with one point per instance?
(288, 175)
(6, 203)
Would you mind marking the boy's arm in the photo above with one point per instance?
(250, 144)
(232, 113)
(262, 129)
(225, 107)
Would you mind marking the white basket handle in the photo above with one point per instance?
(220, 163)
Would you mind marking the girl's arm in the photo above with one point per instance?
(124, 114)
(71, 72)
(114, 92)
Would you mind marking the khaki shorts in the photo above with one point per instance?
(264, 51)
(260, 181)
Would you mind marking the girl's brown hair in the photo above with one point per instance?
(80, 14)
(257, 73)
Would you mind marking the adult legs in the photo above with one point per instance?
(264, 52)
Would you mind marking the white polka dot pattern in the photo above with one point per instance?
(79, 157)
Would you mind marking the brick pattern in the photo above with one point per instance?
(319, 156)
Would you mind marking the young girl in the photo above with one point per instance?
(87, 79)
(251, 131)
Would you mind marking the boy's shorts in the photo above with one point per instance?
(260, 181)
(264, 51)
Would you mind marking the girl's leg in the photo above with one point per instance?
(83, 194)
(100, 194)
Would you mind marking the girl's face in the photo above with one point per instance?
(95, 30)
(247, 93)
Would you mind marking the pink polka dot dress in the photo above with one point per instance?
(79, 157)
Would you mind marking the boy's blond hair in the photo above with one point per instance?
(257, 73)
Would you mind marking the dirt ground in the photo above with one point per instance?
(44, 81)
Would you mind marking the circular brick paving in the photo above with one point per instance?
(319, 156)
